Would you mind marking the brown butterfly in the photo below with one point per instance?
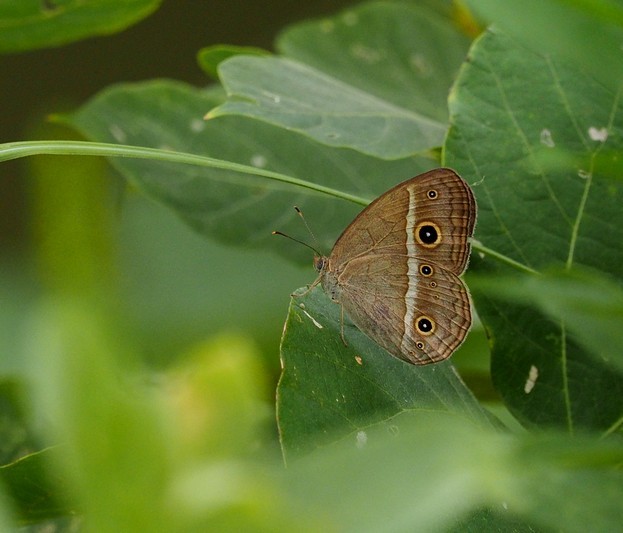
(394, 270)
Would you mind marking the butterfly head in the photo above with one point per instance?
(320, 263)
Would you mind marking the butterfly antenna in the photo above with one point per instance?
(296, 240)
(300, 213)
(314, 248)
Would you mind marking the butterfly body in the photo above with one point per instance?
(395, 268)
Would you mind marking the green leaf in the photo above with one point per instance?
(374, 78)
(566, 340)
(330, 391)
(588, 304)
(33, 490)
(587, 33)
(30, 24)
(15, 436)
(6, 513)
(210, 57)
(438, 470)
(540, 215)
(226, 204)
(401, 54)
(296, 97)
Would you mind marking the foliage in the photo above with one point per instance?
(40, 23)
(350, 106)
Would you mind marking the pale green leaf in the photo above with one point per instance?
(297, 97)
(406, 55)
(374, 78)
(441, 473)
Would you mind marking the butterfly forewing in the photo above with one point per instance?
(382, 227)
(441, 203)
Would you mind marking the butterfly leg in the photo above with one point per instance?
(342, 325)
(308, 289)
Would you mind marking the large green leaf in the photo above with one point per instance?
(509, 109)
(328, 390)
(404, 55)
(297, 97)
(29, 24)
(231, 206)
(374, 78)
(585, 32)
(435, 472)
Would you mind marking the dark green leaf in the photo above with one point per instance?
(29, 24)
(329, 391)
(589, 305)
(14, 435)
(35, 493)
(587, 33)
(553, 348)
(227, 205)
(210, 57)
(539, 215)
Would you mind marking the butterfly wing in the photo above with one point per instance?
(431, 216)
(419, 319)
(395, 268)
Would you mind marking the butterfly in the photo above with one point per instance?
(395, 269)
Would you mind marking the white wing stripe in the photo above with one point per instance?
(412, 272)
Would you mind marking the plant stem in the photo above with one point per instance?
(16, 150)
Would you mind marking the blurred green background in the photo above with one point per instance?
(173, 287)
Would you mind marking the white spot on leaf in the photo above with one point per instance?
(361, 439)
(118, 133)
(584, 174)
(533, 375)
(275, 98)
(258, 161)
(197, 125)
(598, 134)
(365, 53)
(316, 323)
(546, 138)
(421, 65)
